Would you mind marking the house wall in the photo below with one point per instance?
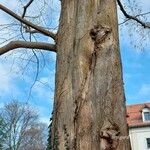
(138, 138)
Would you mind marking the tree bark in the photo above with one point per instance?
(89, 107)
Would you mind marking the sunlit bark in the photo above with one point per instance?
(89, 108)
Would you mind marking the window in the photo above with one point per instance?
(147, 116)
(148, 142)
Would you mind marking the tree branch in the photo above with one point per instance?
(24, 44)
(145, 25)
(28, 23)
(142, 14)
(25, 8)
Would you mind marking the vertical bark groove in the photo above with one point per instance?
(89, 100)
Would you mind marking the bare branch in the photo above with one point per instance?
(24, 44)
(142, 14)
(124, 21)
(129, 17)
(23, 15)
(25, 7)
(28, 23)
(28, 30)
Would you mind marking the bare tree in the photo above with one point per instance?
(35, 138)
(21, 122)
(89, 106)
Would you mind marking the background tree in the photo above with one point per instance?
(3, 132)
(35, 137)
(89, 106)
(23, 128)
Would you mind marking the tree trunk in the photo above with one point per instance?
(89, 107)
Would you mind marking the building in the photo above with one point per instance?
(138, 118)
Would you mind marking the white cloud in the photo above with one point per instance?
(6, 80)
(11, 4)
(45, 120)
(44, 89)
(10, 76)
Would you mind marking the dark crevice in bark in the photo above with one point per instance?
(79, 102)
(98, 35)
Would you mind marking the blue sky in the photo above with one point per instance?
(136, 73)
(17, 78)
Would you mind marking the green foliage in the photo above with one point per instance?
(3, 133)
(66, 138)
(55, 140)
(49, 146)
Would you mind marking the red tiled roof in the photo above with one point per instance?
(134, 115)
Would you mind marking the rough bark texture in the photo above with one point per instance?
(89, 108)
